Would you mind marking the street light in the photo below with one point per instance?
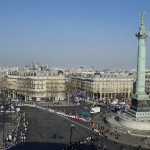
(3, 115)
(72, 126)
(10, 108)
(3, 127)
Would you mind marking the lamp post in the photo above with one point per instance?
(71, 132)
(10, 108)
(3, 128)
(100, 112)
(4, 115)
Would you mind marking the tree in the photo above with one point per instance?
(22, 87)
(4, 87)
(51, 89)
(68, 89)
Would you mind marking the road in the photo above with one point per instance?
(48, 131)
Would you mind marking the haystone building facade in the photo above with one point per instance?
(147, 83)
(36, 84)
(104, 85)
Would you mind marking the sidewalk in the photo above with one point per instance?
(8, 127)
(51, 104)
(124, 138)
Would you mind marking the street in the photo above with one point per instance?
(50, 131)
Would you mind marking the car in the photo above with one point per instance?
(77, 104)
(95, 110)
(122, 103)
(84, 114)
(114, 102)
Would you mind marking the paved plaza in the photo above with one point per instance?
(6, 125)
(51, 131)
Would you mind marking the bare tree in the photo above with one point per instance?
(51, 90)
(23, 88)
(2, 87)
(87, 90)
(75, 83)
(19, 90)
(68, 89)
(27, 87)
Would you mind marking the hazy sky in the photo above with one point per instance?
(70, 33)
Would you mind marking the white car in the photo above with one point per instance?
(77, 104)
(122, 103)
(114, 102)
(95, 110)
(7, 111)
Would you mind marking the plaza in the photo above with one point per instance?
(54, 132)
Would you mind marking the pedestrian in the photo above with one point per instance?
(140, 146)
(117, 137)
(21, 138)
(99, 148)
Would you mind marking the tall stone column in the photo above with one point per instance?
(140, 84)
(141, 61)
(140, 104)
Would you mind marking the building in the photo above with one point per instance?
(3, 72)
(147, 83)
(104, 85)
(36, 83)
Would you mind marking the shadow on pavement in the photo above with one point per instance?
(39, 146)
(48, 146)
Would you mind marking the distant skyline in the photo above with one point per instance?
(72, 33)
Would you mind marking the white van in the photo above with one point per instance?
(114, 102)
(122, 103)
(95, 110)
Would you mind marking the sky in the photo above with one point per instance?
(72, 33)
